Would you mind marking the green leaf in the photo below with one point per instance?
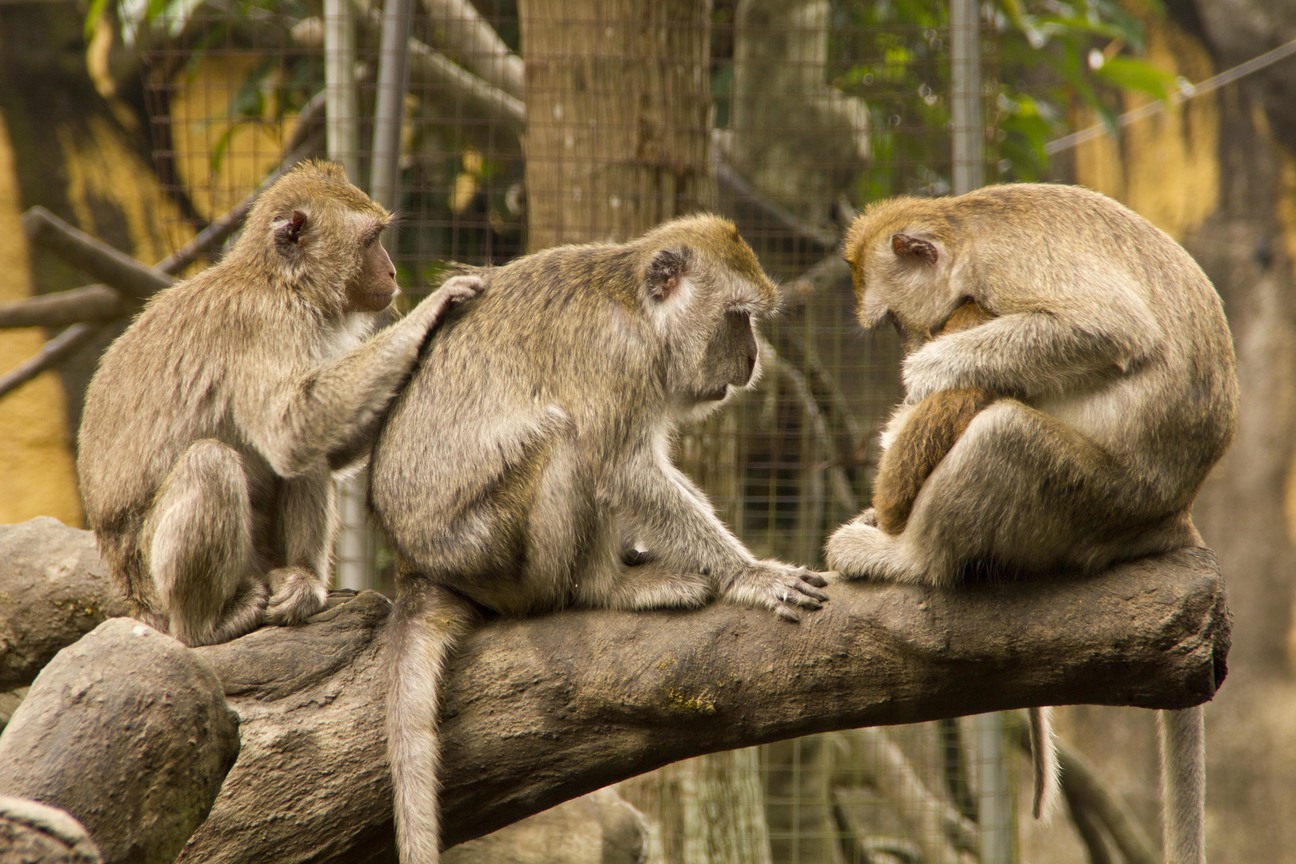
(93, 14)
(1131, 73)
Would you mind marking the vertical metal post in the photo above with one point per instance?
(968, 150)
(339, 86)
(968, 120)
(389, 112)
(994, 808)
(355, 558)
(343, 141)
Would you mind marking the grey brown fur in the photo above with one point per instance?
(214, 424)
(527, 468)
(1114, 378)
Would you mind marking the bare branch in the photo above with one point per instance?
(52, 353)
(457, 93)
(88, 303)
(474, 43)
(92, 255)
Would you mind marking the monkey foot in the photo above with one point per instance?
(296, 595)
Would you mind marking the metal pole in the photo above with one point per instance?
(968, 150)
(965, 97)
(343, 142)
(994, 810)
(354, 568)
(389, 112)
(339, 86)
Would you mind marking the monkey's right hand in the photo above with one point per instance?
(454, 290)
(457, 289)
(784, 588)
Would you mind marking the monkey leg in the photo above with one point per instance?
(197, 542)
(928, 432)
(648, 584)
(308, 519)
(572, 533)
(1023, 492)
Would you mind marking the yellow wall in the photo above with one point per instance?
(1166, 167)
(36, 472)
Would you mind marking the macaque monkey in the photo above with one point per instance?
(526, 467)
(214, 424)
(1112, 383)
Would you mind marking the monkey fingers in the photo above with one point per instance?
(781, 587)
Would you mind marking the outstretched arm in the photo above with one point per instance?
(333, 412)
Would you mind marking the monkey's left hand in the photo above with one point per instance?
(784, 588)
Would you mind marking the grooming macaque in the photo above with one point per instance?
(526, 467)
(1114, 389)
(214, 424)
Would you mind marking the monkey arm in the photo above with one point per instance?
(1037, 352)
(300, 420)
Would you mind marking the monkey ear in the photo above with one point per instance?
(288, 230)
(910, 247)
(666, 271)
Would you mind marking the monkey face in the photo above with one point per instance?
(374, 287)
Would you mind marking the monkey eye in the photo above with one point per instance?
(370, 240)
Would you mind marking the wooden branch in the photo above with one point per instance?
(542, 710)
(87, 303)
(95, 257)
(56, 590)
(127, 730)
(475, 44)
(52, 353)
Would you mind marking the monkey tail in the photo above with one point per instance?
(1183, 784)
(1044, 761)
(426, 624)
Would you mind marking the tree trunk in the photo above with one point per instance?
(618, 116)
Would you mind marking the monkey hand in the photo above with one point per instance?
(456, 289)
(295, 595)
(784, 588)
(929, 369)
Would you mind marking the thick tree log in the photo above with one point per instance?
(33, 832)
(542, 710)
(128, 731)
(54, 589)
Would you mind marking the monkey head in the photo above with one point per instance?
(704, 292)
(906, 270)
(315, 230)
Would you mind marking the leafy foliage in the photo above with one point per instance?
(1050, 56)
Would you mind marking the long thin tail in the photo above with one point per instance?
(1183, 785)
(425, 625)
(1044, 761)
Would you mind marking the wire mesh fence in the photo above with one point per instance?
(532, 123)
